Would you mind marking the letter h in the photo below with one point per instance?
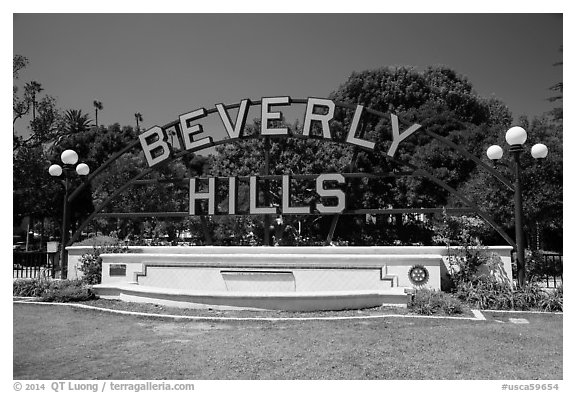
(196, 196)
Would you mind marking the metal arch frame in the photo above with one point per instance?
(176, 155)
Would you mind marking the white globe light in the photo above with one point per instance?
(494, 152)
(82, 169)
(539, 151)
(55, 170)
(516, 136)
(69, 157)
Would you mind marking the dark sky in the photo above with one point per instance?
(163, 65)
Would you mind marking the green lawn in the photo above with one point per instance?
(57, 342)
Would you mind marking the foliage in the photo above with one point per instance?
(19, 62)
(429, 302)
(558, 91)
(528, 297)
(487, 293)
(30, 287)
(480, 290)
(96, 146)
(442, 102)
(466, 254)
(98, 240)
(97, 107)
(537, 268)
(554, 301)
(465, 261)
(76, 121)
(138, 117)
(91, 262)
(459, 230)
(541, 183)
(439, 99)
(60, 291)
(35, 192)
(46, 118)
(64, 291)
(48, 125)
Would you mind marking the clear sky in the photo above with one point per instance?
(163, 65)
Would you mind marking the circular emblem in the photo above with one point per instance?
(418, 275)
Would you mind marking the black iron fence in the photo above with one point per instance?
(552, 270)
(33, 264)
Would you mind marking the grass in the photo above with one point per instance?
(58, 342)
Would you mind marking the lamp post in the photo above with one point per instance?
(516, 137)
(69, 159)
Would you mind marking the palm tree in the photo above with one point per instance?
(138, 117)
(32, 88)
(76, 121)
(97, 107)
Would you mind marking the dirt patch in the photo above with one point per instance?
(182, 333)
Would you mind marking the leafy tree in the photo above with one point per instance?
(286, 156)
(20, 105)
(96, 146)
(165, 194)
(138, 117)
(76, 122)
(541, 183)
(97, 107)
(33, 88)
(19, 62)
(35, 193)
(442, 102)
(558, 89)
(438, 98)
(46, 124)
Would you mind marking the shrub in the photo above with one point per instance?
(528, 297)
(30, 287)
(466, 260)
(553, 301)
(466, 254)
(99, 240)
(91, 263)
(428, 302)
(451, 305)
(485, 293)
(54, 290)
(68, 291)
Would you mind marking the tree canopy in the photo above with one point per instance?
(444, 103)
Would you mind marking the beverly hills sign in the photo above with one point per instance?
(154, 143)
(269, 278)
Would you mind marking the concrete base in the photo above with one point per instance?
(272, 278)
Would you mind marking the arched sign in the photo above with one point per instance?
(319, 112)
(156, 149)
